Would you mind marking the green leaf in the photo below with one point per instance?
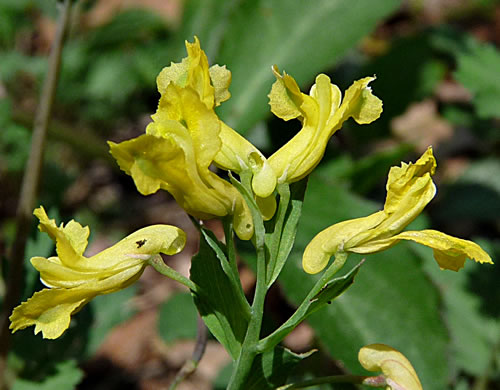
(177, 318)
(271, 369)
(325, 296)
(332, 290)
(218, 301)
(289, 229)
(392, 301)
(478, 71)
(300, 37)
(474, 325)
(66, 377)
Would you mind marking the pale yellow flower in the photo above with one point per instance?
(409, 189)
(398, 372)
(74, 279)
(321, 113)
(235, 152)
(175, 155)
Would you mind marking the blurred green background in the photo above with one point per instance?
(438, 73)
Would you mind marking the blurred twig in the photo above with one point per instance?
(30, 185)
(190, 365)
(87, 144)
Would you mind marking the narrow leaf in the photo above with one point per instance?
(297, 192)
(217, 299)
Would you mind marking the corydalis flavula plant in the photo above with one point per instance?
(178, 153)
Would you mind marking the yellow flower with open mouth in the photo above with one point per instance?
(409, 189)
(321, 113)
(175, 155)
(186, 137)
(211, 83)
(396, 368)
(74, 279)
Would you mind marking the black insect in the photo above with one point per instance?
(140, 243)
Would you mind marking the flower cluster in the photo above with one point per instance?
(178, 153)
(186, 137)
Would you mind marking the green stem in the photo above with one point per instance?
(248, 350)
(279, 334)
(30, 184)
(354, 379)
(158, 264)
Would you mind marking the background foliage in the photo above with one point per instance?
(437, 68)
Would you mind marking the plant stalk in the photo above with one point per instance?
(159, 265)
(279, 334)
(30, 185)
(248, 350)
(190, 365)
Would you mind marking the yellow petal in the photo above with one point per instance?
(203, 127)
(449, 252)
(221, 79)
(127, 155)
(176, 73)
(299, 156)
(267, 206)
(192, 71)
(321, 117)
(129, 253)
(397, 369)
(401, 179)
(211, 84)
(334, 239)
(285, 97)
(172, 166)
(49, 310)
(409, 189)
(71, 240)
(242, 217)
(360, 103)
(239, 155)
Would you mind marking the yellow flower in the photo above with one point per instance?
(409, 189)
(74, 279)
(235, 152)
(186, 138)
(321, 114)
(175, 155)
(398, 371)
